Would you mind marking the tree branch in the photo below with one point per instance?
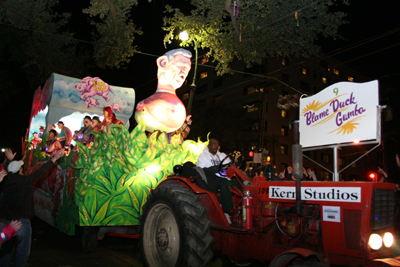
(15, 10)
(112, 11)
(228, 9)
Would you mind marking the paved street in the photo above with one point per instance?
(51, 248)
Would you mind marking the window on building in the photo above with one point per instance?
(323, 79)
(253, 146)
(284, 131)
(252, 107)
(250, 90)
(200, 103)
(336, 71)
(325, 175)
(285, 61)
(218, 82)
(203, 75)
(304, 71)
(284, 149)
(304, 86)
(185, 96)
(254, 70)
(204, 60)
(340, 161)
(354, 165)
(201, 89)
(285, 78)
(342, 177)
(256, 126)
(284, 114)
(217, 99)
(350, 79)
(325, 157)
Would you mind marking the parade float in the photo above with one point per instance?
(106, 183)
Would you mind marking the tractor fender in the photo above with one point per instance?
(286, 257)
(208, 199)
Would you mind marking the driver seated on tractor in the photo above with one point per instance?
(211, 159)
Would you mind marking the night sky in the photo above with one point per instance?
(374, 21)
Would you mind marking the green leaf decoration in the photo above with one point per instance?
(175, 141)
(104, 182)
(101, 213)
(107, 220)
(128, 209)
(134, 201)
(114, 177)
(162, 141)
(84, 217)
(101, 189)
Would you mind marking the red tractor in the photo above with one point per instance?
(334, 223)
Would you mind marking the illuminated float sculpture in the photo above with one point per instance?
(163, 110)
(107, 183)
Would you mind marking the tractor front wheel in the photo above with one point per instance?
(174, 229)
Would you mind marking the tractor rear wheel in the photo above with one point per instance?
(174, 229)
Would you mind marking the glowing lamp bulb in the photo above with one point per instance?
(356, 141)
(388, 239)
(375, 241)
(183, 35)
(372, 175)
(251, 154)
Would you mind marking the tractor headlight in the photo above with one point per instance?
(375, 241)
(388, 239)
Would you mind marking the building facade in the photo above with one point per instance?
(241, 111)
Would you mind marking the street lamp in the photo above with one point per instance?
(184, 36)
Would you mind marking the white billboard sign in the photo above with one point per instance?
(341, 113)
(340, 194)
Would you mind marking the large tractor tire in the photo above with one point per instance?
(174, 229)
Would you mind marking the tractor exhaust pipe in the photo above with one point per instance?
(297, 166)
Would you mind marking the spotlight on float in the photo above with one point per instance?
(356, 141)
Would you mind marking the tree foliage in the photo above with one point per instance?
(32, 37)
(115, 31)
(252, 30)
(43, 41)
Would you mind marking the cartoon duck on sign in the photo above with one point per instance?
(164, 111)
